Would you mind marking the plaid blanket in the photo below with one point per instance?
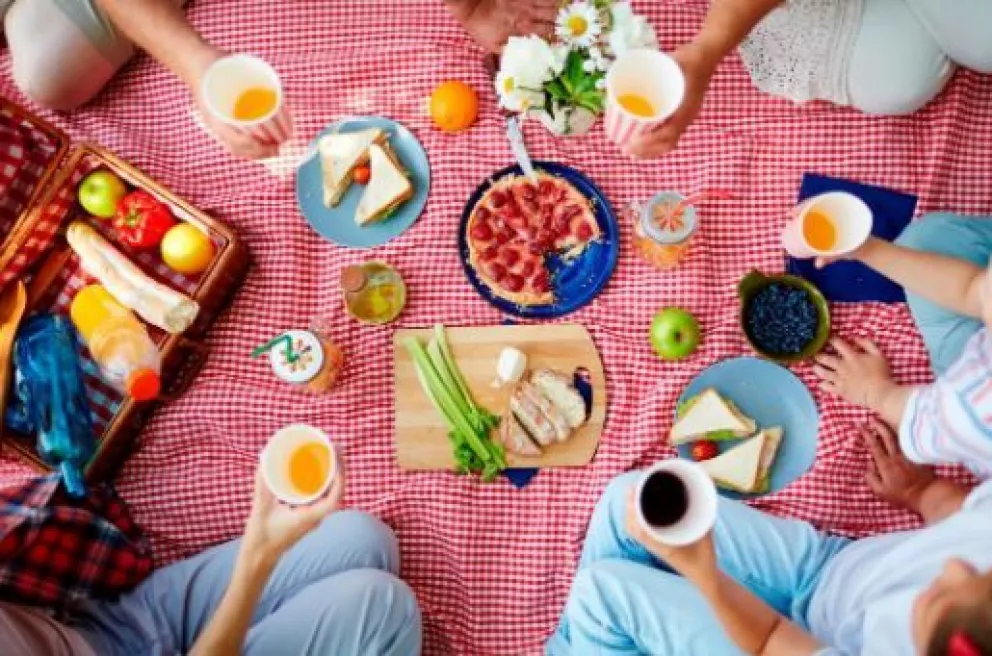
(491, 565)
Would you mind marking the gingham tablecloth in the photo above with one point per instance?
(491, 565)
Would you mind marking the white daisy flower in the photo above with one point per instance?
(601, 83)
(526, 65)
(514, 96)
(589, 66)
(578, 24)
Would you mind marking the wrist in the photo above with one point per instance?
(195, 63)
(878, 395)
(864, 252)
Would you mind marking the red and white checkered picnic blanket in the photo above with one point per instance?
(491, 565)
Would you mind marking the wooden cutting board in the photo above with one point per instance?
(422, 435)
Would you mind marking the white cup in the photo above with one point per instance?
(650, 74)
(276, 458)
(228, 78)
(700, 513)
(851, 217)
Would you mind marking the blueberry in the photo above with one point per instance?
(781, 320)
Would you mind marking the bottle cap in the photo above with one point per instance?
(353, 279)
(307, 357)
(675, 232)
(144, 384)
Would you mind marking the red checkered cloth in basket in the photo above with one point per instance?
(55, 550)
(24, 153)
(491, 565)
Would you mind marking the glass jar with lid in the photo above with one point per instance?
(662, 231)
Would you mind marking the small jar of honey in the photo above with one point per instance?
(374, 292)
(663, 230)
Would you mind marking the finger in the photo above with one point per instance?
(868, 346)
(875, 483)
(820, 262)
(545, 28)
(825, 374)
(871, 441)
(829, 388)
(886, 434)
(843, 348)
(828, 361)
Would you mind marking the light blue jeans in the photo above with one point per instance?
(966, 237)
(335, 592)
(625, 601)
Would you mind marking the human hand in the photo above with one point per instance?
(698, 68)
(856, 254)
(696, 561)
(234, 141)
(492, 22)
(890, 475)
(273, 527)
(859, 374)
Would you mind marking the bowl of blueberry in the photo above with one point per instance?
(785, 318)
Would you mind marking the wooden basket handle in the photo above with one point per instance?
(195, 356)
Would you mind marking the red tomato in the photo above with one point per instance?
(363, 174)
(141, 220)
(704, 450)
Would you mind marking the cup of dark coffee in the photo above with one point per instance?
(676, 502)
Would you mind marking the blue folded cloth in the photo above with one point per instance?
(852, 281)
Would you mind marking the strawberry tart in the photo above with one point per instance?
(517, 224)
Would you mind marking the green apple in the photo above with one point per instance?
(674, 333)
(99, 193)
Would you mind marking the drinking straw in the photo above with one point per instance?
(698, 197)
(291, 355)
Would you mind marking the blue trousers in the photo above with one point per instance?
(965, 237)
(335, 592)
(625, 601)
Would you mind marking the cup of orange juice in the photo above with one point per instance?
(830, 224)
(298, 464)
(643, 88)
(245, 92)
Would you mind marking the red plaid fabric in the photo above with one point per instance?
(491, 565)
(55, 551)
(24, 153)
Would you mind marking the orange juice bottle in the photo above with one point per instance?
(120, 345)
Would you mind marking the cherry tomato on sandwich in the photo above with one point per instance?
(704, 450)
(142, 220)
(363, 174)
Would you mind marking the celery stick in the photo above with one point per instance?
(441, 398)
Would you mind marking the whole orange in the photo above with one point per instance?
(454, 106)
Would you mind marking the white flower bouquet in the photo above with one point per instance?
(563, 82)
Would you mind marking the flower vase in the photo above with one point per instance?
(566, 121)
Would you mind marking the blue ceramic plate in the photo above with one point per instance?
(772, 396)
(575, 282)
(338, 223)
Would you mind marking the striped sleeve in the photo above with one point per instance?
(950, 421)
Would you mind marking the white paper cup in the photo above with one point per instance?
(650, 74)
(275, 462)
(229, 77)
(851, 217)
(700, 514)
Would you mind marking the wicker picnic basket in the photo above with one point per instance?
(39, 174)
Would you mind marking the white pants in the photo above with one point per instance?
(906, 51)
(63, 51)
